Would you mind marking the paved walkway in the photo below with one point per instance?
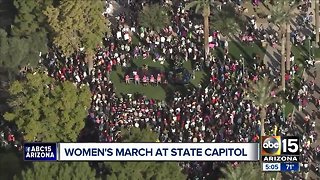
(273, 59)
(310, 107)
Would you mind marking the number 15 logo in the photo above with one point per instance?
(290, 146)
(276, 145)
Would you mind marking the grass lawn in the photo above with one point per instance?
(117, 77)
(316, 53)
(161, 93)
(248, 51)
(156, 92)
(300, 53)
(288, 108)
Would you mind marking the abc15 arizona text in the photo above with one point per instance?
(280, 149)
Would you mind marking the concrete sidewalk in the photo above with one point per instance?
(272, 59)
(308, 110)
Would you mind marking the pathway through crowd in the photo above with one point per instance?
(312, 175)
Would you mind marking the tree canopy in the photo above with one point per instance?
(154, 17)
(47, 109)
(77, 24)
(244, 171)
(142, 170)
(138, 135)
(227, 20)
(20, 51)
(58, 170)
(202, 6)
(10, 165)
(282, 13)
(30, 18)
(21, 44)
(259, 92)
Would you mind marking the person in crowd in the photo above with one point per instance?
(136, 79)
(127, 79)
(213, 112)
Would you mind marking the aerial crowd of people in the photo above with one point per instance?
(211, 112)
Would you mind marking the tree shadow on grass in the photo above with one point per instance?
(132, 65)
(205, 80)
(120, 77)
(304, 49)
(247, 57)
(299, 122)
(171, 89)
(219, 53)
(166, 87)
(89, 132)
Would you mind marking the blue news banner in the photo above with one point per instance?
(281, 167)
(291, 167)
(141, 152)
(40, 152)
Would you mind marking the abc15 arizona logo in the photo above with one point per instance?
(277, 145)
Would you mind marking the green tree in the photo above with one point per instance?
(77, 24)
(10, 165)
(259, 94)
(19, 51)
(228, 26)
(30, 18)
(47, 109)
(7, 14)
(204, 6)
(142, 170)
(138, 135)
(245, 171)
(281, 15)
(26, 37)
(154, 17)
(227, 21)
(58, 170)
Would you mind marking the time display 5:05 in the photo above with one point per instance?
(271, 167)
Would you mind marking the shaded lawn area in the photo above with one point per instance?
(162, 93)
(155, 92)
(288, 108)
(250, 50)
(316, 53)
(301, 53)
(247, 50)
(117, 77)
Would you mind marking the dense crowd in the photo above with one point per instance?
(213, 112)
